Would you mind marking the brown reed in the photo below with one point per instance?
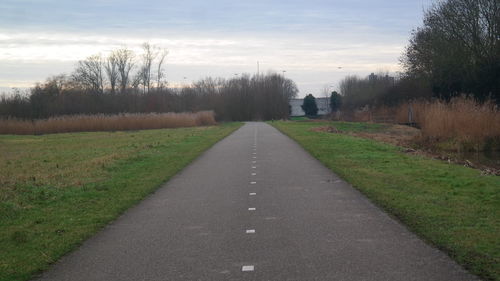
(472, 125)
(462, 119)
(102, 122)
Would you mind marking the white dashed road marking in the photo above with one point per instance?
(247, 268)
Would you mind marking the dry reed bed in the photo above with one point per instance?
(101, 122)
(470, 124)
(463, 119)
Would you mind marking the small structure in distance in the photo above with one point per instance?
(322, 103)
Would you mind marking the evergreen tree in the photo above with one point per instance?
(335, 101)
(309, 106)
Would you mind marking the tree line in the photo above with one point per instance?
(456, 52)
(97, 74)
(126, 82)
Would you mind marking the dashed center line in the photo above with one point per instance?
(247, 268)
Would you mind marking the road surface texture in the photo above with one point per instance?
(256, 206)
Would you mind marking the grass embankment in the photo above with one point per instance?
(57, 190)
(450, 206)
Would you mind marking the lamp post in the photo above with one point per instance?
(283, 86)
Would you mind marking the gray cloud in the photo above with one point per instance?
(308, 39)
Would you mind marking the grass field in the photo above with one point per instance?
(450, 206)
(57, 190)
(299, 118)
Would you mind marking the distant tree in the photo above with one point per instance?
(125, 63)
(160, 74)
(335, 101)
(112, 72)
(309, 106)
(257, 97)
(149, 55)
(89, 74)
(358, 92)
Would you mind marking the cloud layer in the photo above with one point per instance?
(217, 38)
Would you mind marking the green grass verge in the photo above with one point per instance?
(57, 190)
(357, 127)
(450, 206)
(299, 118)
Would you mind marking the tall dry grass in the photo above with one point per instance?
(101, 122)
(464, 123)
(465, 120)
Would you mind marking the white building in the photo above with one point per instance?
(322, 103)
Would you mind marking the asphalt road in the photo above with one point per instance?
(256, 206)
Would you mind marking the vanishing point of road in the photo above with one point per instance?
(255, 206)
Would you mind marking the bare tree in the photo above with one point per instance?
(89, 73)
(149, 55)
(124, 62)
(58, 82)
(160, 74)
(112, 70)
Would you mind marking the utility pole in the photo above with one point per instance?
(283, 71)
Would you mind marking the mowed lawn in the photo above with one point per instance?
(452, 207)
(57, 190)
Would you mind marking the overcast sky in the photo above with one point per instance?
(309, 39)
